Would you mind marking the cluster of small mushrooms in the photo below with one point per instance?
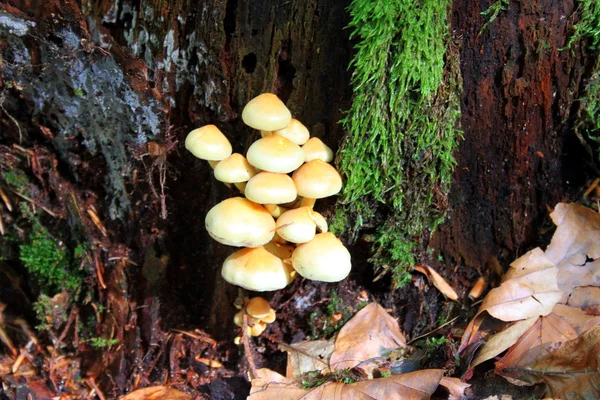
(275, 222)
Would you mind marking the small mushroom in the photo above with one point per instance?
(323, 259)
(257, 269)
(295, 132)
(298, 225)
(240, 222)
(275, 154)
(258, 307)
(235, 169)
(315, 180)
(270, 188)
(269, 319)
(315, 149)
(208, 143)
(266, 113)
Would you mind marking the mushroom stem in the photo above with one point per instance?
(266, 133)
(274, 209)
(213, 163)
(307, 202)
(241, 186)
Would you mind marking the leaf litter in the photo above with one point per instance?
(372, 334)
(547, 312)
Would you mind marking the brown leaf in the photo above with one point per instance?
(414, 385)
(308, 356)
(157, 393)
(571, 372)
(530, 291)
(545, 336)
(455, 387)
(502, 341)
(577, 318)
(575, 242)
(437, 280)
(368, 334)
(584, 297)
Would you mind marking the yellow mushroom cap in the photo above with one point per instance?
(238, 319)
(258, 307)
(317, 179)
(234, 169)
(315, 149)
(266, 113)
(283, 251)
(271, 317)
(275, 154)
(295, 132)
(240, 222)
(208, 143)
(257, 269)
(258, 328)
(323, 259)
(298, 225)
(270, 188)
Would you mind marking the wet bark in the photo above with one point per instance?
(519, 156)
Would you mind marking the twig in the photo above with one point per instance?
(11, 118)
(430, 332)
(51, 213)
(247, 348)
(92, 383)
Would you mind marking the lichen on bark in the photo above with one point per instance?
(401, 128)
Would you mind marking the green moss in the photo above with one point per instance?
(588, 27)
(313, 379)
(324, 323)
(49, 261)
(100, 343)
(16, 180)
(401, 128)
(492, 12)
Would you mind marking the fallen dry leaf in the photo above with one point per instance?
(414, 385)
(571, 372)
(502, 341)
(157, 393)
(530, 289)
(455, 387)
(579, 319)
(575, 247)
(437, 280)
(545, 336)
(308, 356)
(370, 333)
(584, 297)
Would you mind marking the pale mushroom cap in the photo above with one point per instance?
(208, 143)
(256, 269)
(283, 251)
(266, 113)
(317, 179)
(271, 317)
(295, 132)
(270, 188)
(315, 149)
(240, 222)
(324, 259)
(234, 169)
(258, 328)
(299, 225)
(258, 307)
(275, 154)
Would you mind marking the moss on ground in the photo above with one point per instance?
(397, 156)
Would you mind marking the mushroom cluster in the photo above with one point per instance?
(258, 314)
(283, 174)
